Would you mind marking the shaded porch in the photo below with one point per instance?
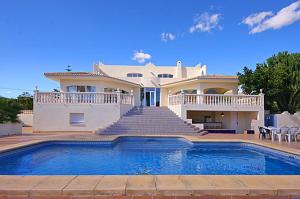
(223, 121)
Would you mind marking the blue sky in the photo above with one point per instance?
(46, 36)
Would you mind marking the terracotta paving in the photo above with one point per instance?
(149, 187)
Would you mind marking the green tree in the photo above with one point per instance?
(279, 78)
(9, 110)
(25, 101)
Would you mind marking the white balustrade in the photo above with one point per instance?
(216, 99)
(83, 98)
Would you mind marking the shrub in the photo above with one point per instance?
(9, 110)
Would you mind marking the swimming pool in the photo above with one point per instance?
(147, 155)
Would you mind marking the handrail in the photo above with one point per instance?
(234, 95)
(83, 98)
(216, 99)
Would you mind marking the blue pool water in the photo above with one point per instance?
(140, 155)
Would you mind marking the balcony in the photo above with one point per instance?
(83, 98)
(217, 101)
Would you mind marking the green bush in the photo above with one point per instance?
(25, 101)
(9, 110)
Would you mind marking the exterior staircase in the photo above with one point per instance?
(150, 120)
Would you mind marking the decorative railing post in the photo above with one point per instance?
(182, 97)
(118, 96)
(169, 98)
(132, 97)
(35, 94)
(262, 98)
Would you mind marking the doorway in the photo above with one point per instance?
(150, 96)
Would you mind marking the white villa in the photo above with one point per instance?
(91, 101)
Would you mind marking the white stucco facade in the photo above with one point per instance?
(109, 91)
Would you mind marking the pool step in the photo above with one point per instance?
(150, 120)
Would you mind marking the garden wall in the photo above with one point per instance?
(10, 129)
(26, 117)
(283, 119)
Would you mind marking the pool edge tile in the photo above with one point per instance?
(112, 185)
(82, 185)
(171, 185)
(140, 185)
(52, 185)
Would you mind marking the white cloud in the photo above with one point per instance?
(167, 36)
(140, 56)
(206, 22)
(256, 18)
(262, 21)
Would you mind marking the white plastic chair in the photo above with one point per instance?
(281, 133)
(292, 134)
(296, 134)
(285, 133)
(273, 131)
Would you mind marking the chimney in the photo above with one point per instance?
(179, 70)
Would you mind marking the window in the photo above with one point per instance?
(112, 90)
(71, 88)
(75, 88)
(165, 75)
(76, 118)
(134, 75)
(81, 89)
(191, 91)
(91, 88)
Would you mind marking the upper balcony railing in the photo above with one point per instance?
(216, 99)
(83, 98)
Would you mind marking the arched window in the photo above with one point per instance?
(165, 75)
(134, 75)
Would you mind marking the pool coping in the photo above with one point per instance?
(150, 186)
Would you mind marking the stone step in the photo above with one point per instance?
(150, 120)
